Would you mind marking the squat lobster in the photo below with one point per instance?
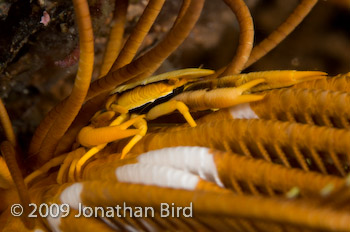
(128, 97)
(137, 94)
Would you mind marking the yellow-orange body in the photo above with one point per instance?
(228, 91)
(142, 95)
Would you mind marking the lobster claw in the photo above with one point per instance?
(274, 79)
(90, 136)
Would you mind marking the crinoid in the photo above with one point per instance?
(268, 151)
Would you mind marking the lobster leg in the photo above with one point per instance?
(169, 107)
(116, 130)
(90, 136)
(142, 125)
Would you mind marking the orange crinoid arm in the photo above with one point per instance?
(115, 40)
(155, 66)
(208, 205)
(138, 34)
(246, 36)
(174, 38)
(282, 31)
(157, 55)
(81, 85)
(6, 124)
(269, 43)
(9, 153)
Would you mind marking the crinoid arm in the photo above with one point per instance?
(5, 175)
(154, 56)
(9, 153)
(268, 160)
(115, 40)
(45, 168)
(293, 20)
(47, 139)
(7, 125)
